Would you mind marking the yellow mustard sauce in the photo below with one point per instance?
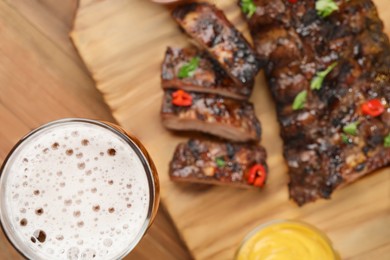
(286, 240)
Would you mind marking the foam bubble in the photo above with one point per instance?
(23, 222)
(40, 235)
(85, 142)
(80, 223)
(81, 166)
(60, 237)
(107, 242)
(39, 211)
(111, 152)
(73, 253)
(88, 254)
(55, 146)
(76, 213)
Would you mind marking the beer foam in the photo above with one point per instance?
(75, 191)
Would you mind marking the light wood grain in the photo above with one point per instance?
(122, 43)
(42, 78)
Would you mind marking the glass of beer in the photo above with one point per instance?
(77, 189)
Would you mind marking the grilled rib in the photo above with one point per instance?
(211, 29)
(208, 77)
(227, 118)
(212, 162)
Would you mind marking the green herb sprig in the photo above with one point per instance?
(317, 81)
(386, 141)
(220, 162)
(345, 138)
(188, 69)
(248, 7)
(326, 7)
(300, 100)
(351, 128)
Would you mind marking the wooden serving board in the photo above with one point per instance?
(122, 43)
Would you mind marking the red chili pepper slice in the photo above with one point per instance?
(293, 1)
(373, 107)
(257, 175)
(181, 98)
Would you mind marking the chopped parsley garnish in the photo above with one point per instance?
(386, 141)
(345, 138)
(248, 7)
(351, 128)
(326, 7)
(220, 162)
(188, 69)
(300, 100)
(316, 82)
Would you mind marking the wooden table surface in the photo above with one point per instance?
(42, 79)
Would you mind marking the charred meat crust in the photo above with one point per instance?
(208, 77)
(298, 44)
(196, 161)
(211, 29)
(227, 118)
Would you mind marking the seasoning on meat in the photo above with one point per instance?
(334, 135)
(227, 118)
(211, 29)
(206, 77)
(222, 163)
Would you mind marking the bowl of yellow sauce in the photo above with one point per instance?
(286, 240)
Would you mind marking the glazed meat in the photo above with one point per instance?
(227, 118)
(205, 76)
(221, 163)
(211, 29)
(329, 76)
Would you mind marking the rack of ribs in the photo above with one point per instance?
(323, 73)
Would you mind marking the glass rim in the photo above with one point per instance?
(135, 145)
(259, 227)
